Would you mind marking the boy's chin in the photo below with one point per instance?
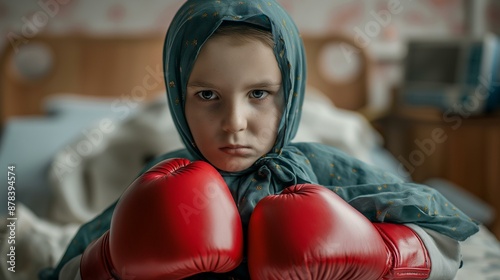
(233, 166)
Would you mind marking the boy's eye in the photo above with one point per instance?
(259, 94)
(207, 95)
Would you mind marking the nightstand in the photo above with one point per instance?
(463, 149)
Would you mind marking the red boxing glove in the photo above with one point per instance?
(308, 232)
(176, 220)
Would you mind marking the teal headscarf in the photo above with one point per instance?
(196, 21)
(379, 195)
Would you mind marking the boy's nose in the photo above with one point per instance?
(234, 120)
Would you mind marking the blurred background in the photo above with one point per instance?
(385, 41)
(424, 77)
(430, 83)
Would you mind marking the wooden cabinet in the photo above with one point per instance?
(463, 149)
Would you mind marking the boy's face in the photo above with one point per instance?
(234, 102)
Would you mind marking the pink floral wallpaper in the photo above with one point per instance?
(407, 18)
(382, 25)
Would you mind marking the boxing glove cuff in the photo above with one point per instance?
(408, 255)
(95, 260)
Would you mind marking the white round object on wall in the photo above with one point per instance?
(33, 62)
(340, 63)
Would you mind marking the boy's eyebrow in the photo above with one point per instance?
(200, 84)
(263, 84)
(266, 84)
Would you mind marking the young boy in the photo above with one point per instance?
(235, 78)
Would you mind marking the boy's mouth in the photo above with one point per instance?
(237, 150)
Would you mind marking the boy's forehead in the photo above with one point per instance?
(221, 57)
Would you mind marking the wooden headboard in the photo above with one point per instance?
(350, 93)
(128, 65)
(86, 65)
